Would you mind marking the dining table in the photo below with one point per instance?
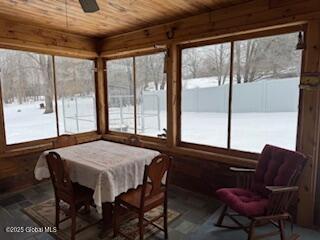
(106, 167)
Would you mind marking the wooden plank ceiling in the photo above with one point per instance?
(114, 17)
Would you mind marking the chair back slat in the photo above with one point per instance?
(277, 167)
(59, 173)
(156, 175)
(65, 141)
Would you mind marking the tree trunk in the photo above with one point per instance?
(46, 70)
(238, 64)
(247, 62)
(48, 104)
(163, 82)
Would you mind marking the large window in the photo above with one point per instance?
(28, 96)
(263, 105)
(75, 95)
(137, 94)
(265, 92)
(205, 81)
(121, 95)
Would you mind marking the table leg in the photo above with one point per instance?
(107, 214)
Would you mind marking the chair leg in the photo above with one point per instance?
(251, 233)
(141, 227)
(57, 213)
(222, 215)
(115, 223)
(73, 222)
(282, 230)
(165, 219)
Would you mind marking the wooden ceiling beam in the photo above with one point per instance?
(19, 36)
(233, 20)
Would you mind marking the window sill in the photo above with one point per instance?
(215, 157)
(236, 159)
(43, 145)
(158, 144)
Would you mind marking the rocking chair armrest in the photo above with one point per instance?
(242, 170)
(282, 189)
(280, 198)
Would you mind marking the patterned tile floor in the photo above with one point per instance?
(196, 221)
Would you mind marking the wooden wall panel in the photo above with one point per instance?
(201, 176)
(309, 126)
(172, 69)
(101, 95)
(17, 172)
(25, 37)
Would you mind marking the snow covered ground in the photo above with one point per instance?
(26, 122)
(249, 131)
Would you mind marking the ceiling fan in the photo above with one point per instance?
(89, 6)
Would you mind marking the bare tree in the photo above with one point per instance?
(44, 64)
(192, 62)
(219, 59)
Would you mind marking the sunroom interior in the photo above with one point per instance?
(212, 89)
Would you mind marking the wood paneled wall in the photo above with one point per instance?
(19, 36)
(17, 172)
(201, 176)
(309, 125)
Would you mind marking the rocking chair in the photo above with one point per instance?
(265, 193)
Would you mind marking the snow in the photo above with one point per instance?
(200, 82)
(26, 122)
(250, 131)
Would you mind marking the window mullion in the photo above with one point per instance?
(3, 141)
(55, 93)
(230, 93)
(134, 96)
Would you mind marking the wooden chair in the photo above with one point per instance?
(65, 140)
(265, 193)
(151, 194)
(75, 195)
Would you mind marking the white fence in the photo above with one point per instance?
(281, 95)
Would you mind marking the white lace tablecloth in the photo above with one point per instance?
(106, 167)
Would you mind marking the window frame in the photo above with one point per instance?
(133, 55)
(45, 143)
(222, 40)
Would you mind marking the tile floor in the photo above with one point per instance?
(196, 221)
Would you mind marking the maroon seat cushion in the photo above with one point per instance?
(243, 201)
(276, 167)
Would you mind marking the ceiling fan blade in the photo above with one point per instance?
(89, 6)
